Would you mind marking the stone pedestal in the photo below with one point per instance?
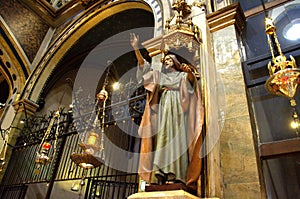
(176, 194)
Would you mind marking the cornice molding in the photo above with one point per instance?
(230, 15)
(153, 45)
(25, 105)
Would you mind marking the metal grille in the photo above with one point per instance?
(103, 181)
(113, 189)
(13, 192)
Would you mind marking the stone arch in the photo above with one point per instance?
(93, 16)
(14, 63)
(157, 8)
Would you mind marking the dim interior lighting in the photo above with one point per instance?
(70, 108)
(2, 105)
(294, 124)
(86, 165)
(75, 187)
(291, 31)
(116, 86)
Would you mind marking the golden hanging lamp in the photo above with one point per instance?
(42, 155)
(284, 74)
(92, 141)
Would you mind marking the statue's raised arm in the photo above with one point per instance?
(134, 41)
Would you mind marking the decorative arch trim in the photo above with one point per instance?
(157, 8)
(19, 67)
(93, 16)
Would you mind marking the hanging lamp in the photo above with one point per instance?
(42, 155)
(92, 140)
(284, 74)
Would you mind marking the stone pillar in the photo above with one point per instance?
(21, 110)
(238, 162)
(212, 172)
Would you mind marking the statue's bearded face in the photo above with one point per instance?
(168, 62)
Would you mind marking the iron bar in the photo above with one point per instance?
(23, 157)
(58, 160)
(109, 181)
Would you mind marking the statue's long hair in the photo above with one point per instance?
(177, 64)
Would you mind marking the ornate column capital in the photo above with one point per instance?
(230, 15)
(25, 105)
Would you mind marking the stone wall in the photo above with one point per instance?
(238, 159)
(27, 28)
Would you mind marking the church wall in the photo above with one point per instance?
(238, 159)
(27, 27)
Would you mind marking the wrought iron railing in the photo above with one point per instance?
(103, 180)
(13, 192)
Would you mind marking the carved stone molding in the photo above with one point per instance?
(230, 15)
(153, 45)
(26, 105)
